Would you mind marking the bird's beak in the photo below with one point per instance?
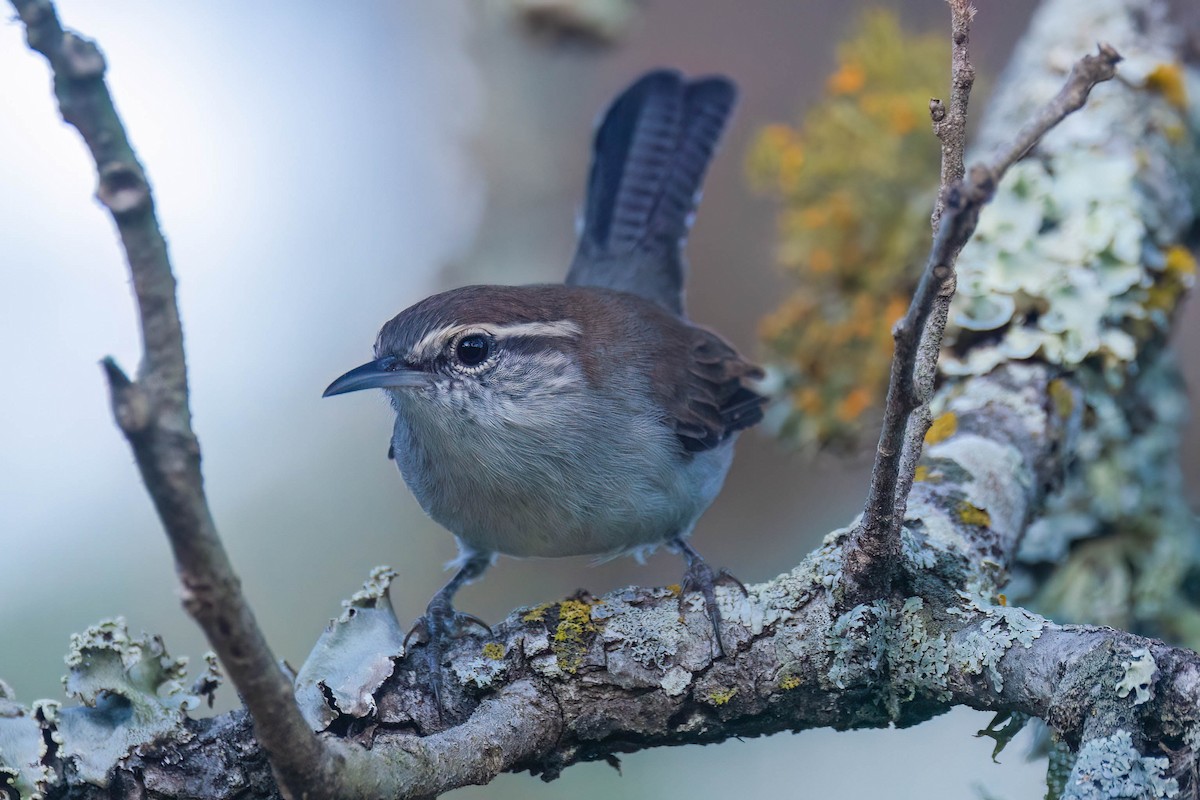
(383, 373)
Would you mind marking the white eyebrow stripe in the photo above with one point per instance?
(433, 341)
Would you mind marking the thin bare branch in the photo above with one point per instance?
(879, 532)
(950, 122)
(153, 412)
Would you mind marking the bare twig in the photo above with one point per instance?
(153, 412)
(871, 569)
(950, 122)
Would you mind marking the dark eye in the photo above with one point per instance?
(472, 350)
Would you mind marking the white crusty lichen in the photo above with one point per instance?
(650, 635)
(1110, 767)
(1139, 672)
(1077, 258)
(354, 656)
(132, 692)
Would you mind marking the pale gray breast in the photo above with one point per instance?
(568, 473)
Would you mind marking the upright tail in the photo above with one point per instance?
(648, 161)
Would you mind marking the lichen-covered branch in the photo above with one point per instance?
(152, 411)
(587, 678)
(878, 539)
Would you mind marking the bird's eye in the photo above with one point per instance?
(472, 350)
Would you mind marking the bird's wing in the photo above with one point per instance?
(648, 162)
(710, 398)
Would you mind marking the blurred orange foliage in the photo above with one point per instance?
(855, 179)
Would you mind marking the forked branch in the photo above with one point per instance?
(878, 536)
(152, 411)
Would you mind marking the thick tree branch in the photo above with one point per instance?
(153, 412)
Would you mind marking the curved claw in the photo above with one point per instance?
(461, 617)
(728, 577)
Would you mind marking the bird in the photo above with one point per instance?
(590, 417)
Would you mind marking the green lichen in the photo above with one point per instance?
(353, 657)
(1068, 263)
(131, 692)
(25, 739)
(789, 682)
(1001, 628)
(855, 181)
(651, 637)
(1110, 767)
(493, 650)
(917, 662)
(858, 642)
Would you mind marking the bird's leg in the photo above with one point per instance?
(442, 622)
(700, 577)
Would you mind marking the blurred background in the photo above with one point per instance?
(317, 168)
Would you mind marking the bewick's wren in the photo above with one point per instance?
(586, 418)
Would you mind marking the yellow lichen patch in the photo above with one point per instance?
(1062, 397)
(572, 634)
(789, 682)
(973, 515)
(674, 588)
(494, 651)
(1002, 600)
(537, 613)
(921, 474)
(942, 428)
(719, 697)
(1167, 80)
(1180, 263)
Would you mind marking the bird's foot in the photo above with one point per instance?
(433, 633)
(701, 578)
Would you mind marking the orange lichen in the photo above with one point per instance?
(855, 180)
(849, 79)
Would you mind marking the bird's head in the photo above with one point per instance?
(476, 349)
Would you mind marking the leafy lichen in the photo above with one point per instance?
(1139, 672)
(1110, 767)
(1001, 628)
(354, 656)
(131, 692)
